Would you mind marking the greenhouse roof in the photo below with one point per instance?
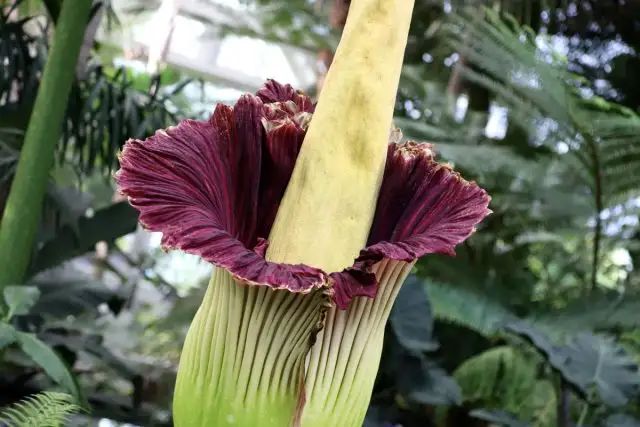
(235, 62)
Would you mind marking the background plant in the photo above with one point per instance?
(556, 259)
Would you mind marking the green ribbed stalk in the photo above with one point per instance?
(242, 363)
(342, 365)
(22, 212)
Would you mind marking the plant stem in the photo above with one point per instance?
(22, 212)
(583, 414)
(585, 409)
(563, 414)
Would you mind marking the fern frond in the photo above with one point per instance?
(46, 409)
(467, 308)
(602, 311)
(485, 314)
(539, 90)
(602, 137)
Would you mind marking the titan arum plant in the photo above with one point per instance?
(313, 216)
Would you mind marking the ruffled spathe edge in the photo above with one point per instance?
(213, 188)
(424, 207)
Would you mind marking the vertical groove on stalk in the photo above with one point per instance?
(243, 358)
(342, 365)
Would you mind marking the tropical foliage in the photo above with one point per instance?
(533, 323)
(47, 409)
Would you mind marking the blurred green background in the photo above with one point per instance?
(535, 322)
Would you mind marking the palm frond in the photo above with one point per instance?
(46, 409)
(104, 110)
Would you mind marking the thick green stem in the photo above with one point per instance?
(342, 365)
(242, 364)
(22, 212)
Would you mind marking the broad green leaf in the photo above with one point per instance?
(7, 335)
(417, 378)
(501, 418)
(72, 297)
(92, 344)
(594, 361)
(106, 224)
(437, 386)
(20, 299)
(500, 376)
(503, 378)
(553, 353)
(600, 310)
(411, 318)
(588, 362)
(467, 308)
(621, 420)
(52, 364)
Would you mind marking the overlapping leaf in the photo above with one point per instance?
(588, 362)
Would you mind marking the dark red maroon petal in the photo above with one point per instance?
(273, 92)
(199, 184)
(424, 207)
(357, 281)
(282, 145)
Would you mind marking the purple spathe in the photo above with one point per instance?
(213, 189)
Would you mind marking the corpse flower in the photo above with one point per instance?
(312, 218)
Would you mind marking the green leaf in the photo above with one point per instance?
(46, 409)
(106, 224)
(417, 378)
(52, 364)
(466, 307)
(20, 299)
(621, 420)
(436, 388)
(77, 341)
(72, 297)
(502, 418)
(7, 335)
(503, 378)
(598, 311)
(588, 362)
(552, 353)
(411, 318)
(499, 376)
(599, 362)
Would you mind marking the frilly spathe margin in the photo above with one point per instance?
(213, 189)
